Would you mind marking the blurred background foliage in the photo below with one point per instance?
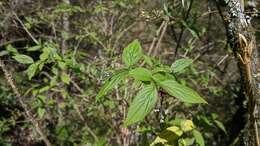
(61, 51)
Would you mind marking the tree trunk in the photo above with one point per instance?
(241, 38)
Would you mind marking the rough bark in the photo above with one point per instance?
(242, 40)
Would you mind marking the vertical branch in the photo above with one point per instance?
(242, 40)
(36, 125)
(65, 23)
(186, 16)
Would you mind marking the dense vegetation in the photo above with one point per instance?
(124, 72)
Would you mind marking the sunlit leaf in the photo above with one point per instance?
(148, 60)
(65, 78)
(162, 69)
(187, 125)
(198, 137)
(34, 48)
(181, 92)
(142, 104)
(24, 59)
(132, 53)
(141, 74)
(31, 70)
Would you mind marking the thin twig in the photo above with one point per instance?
(36, 125)
(24, 27)
(160, 38)
(182, 31)
(86, 125)
(155, 38)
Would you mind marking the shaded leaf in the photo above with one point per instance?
(180, 64)
(220, 126)
(111, 82)
(3, 53)
(11, 49)
(193, 32)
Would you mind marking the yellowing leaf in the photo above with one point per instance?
(168, 136)
(187, 125)
(175, 130)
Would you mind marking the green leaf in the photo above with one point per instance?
(190, 29)
(41, 112)
(111, 82)
(11, 49)
(181, 92)
(189, 141)
(180, 64)
(141, 74)
(62, 65)
(34, 48)
(205, 120)
(198, 137)
(65, 78)
(24, 59)
(214, 116)
(182, 142)
(3, 53)
(132, 53)
(31, 70)
(148, 60)
(162, 69)
(142, 104)
(220, 126)
(47, 53)
(158, 77)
